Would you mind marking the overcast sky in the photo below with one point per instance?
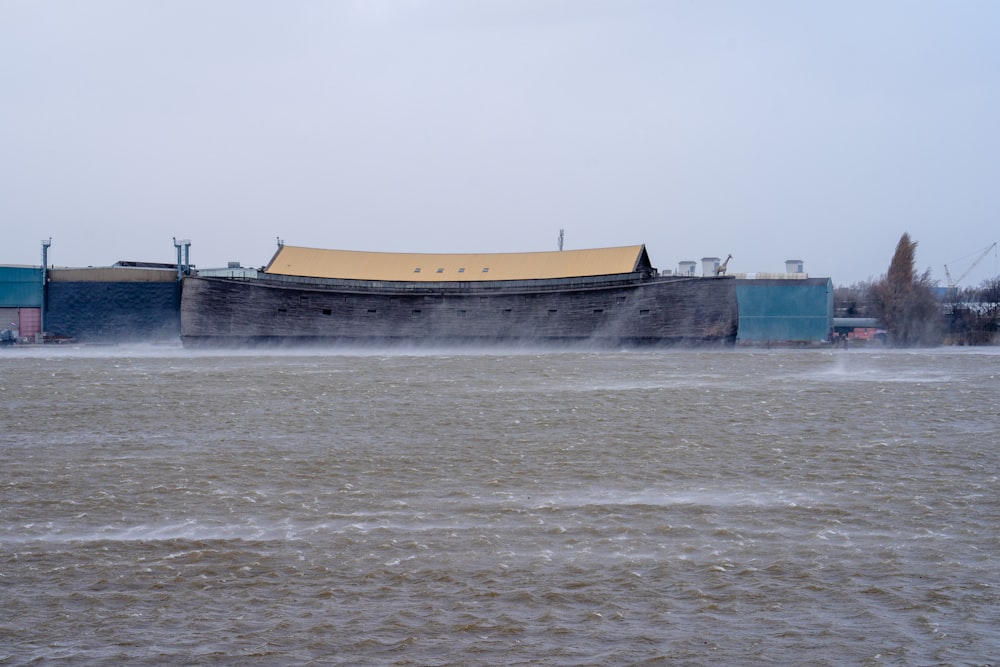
(770, 130)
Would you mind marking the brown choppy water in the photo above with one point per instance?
(576, 508)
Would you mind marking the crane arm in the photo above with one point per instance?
(973, 265)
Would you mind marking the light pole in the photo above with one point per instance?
(45, 287)
(184, 246)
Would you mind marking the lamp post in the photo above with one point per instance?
(184, 246)
(45, 287)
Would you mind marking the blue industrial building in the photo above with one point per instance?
(20, 301)
(784, 310)
(113, 304)
(116, 304)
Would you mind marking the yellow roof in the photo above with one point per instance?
(357, 265)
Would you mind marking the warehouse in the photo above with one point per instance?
(784, 310)
(128, 302)
(20, 302)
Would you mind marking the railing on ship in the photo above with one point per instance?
(583, 282)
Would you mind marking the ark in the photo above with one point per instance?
(599, 297)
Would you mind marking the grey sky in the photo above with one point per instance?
(769, 130)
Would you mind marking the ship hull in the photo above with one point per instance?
(603, 311)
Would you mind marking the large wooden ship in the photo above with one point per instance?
(600, 297)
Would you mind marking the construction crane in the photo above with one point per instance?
(954, 283)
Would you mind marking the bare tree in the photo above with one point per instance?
(975, 315)
(905, 302)
(854, 300)
(989, 299)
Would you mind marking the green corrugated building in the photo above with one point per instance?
(20, 287)
(21, 300)
(792, 310)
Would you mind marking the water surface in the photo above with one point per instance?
(521, 507)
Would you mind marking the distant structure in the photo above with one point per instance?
(46, 244)
(953, 283)
(787, 308)
(183, 264)
(599, 295)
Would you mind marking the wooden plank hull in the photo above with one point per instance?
(610, 311)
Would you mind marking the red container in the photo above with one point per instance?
(30, 322)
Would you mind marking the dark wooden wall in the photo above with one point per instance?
(220, 311)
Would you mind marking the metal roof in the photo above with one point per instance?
(420, 267)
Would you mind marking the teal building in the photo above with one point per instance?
(784, 310)
(20, 286)
(21, 300)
